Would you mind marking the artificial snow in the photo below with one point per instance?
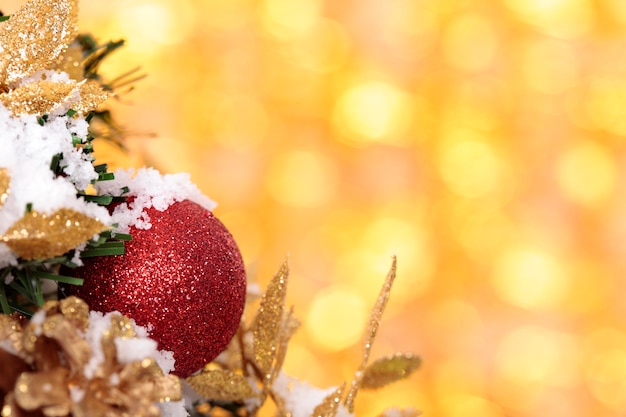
(148, 188)
(26, 151)
(300, 398)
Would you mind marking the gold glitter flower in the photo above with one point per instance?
(44, 368)
(250, 371)
(33, 42)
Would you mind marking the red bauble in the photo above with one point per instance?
(183, 278)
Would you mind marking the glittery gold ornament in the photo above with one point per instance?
(36, 38)
(45, 97)
(255, 358)
(221, 385)
(45, 373)
(41, 236)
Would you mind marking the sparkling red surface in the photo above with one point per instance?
(184, 277)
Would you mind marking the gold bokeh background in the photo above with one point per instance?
(482, 142)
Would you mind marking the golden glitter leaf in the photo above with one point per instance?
(221, 385)
(40, 97)
(91, 95)
(5, 185)
(330, 405)
(41, 236)
(35, 36)
(288, 327)
(372, 328)
(390, 369)
(268, 322)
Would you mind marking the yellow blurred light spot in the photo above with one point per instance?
(535, 355)
(301, 360)
(301, 178)
(606, 376)
(470, 43)
(225, 15)
(336, 317)
(458, 375)
(371, 259)
(160, 23)
(561, 18)
(373, 112)
(239, 121)
(470, 167)
(287, 18)
(474, 104)
(617, 9)
(587, 173)
(465, 405)
(480, 229)
(605, 104)
(321, 49)
(529, 278)
(550, 66)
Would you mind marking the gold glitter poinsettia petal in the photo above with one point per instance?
(221, 385)
(267, 324)
(90, 96)
(35, 36)
(330, 405)
(372, 328)
(39, 97)
(42, 236)
(5, 185)
(390, 369)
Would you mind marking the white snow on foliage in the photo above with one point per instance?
(26, 151)
(148, 188)
(300, 398)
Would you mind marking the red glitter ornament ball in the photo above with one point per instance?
(183, 278)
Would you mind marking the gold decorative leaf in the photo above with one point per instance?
(41, 236)
(221, 385)
(372, 328)
(267, 324)
(5, 185)
(38, 97)
(330, 405)
(35, 36)
(90, 97)
(390, 369)
(288, 327)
